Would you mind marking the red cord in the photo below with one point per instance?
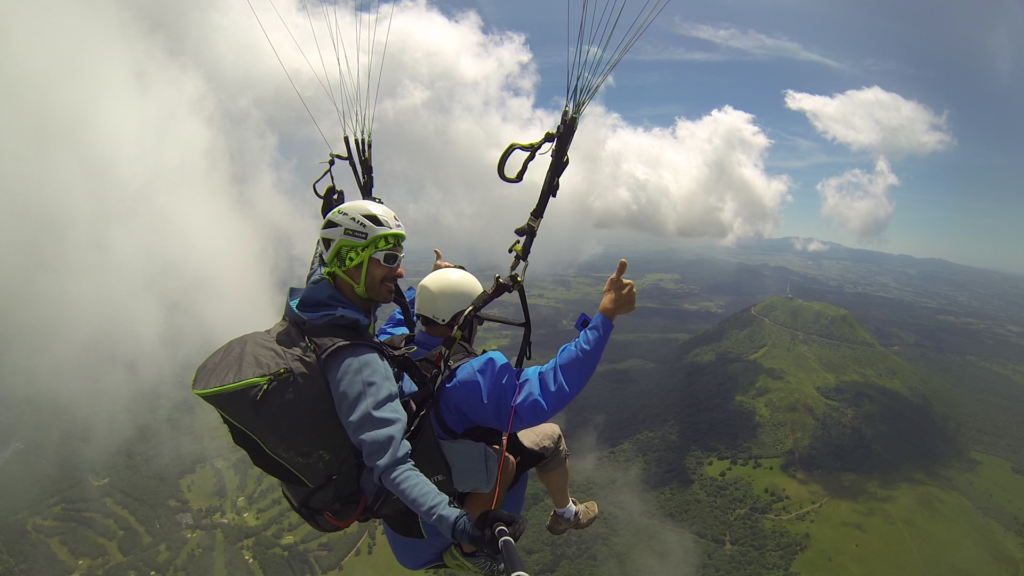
(504, 449)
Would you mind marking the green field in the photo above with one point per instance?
(995, 485)
(906, 528)
(378, 563)
(199, 487)
(893, 524)
(801, 493)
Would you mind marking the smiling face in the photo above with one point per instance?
(381, 282)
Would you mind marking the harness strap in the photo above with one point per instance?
(403, 305)
(346, 522)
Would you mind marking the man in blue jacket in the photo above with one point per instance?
(361, 245)
(481, 393)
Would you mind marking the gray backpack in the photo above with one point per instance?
(270, 391)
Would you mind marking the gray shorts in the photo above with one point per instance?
(475, 465)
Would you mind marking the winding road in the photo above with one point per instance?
(752, 311)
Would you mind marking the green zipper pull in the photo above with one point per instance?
(270, 379)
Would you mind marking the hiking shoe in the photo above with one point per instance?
(585, 516)
(478, 562)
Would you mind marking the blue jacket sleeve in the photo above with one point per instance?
(367, 402)
(482, 390)
(395, 324)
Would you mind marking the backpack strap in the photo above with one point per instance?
(323, 340)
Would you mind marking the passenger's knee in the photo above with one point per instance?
(556, 453)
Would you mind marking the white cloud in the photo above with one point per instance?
(858, 201)
(700, 178)
(874, 120)
(156, 167)
(809, 245)
(752, 43)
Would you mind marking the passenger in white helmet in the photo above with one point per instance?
(474, 404)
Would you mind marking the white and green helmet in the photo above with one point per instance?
(354, 231)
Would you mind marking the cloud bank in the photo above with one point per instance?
(699, 178)
(875, 121)
(142, 213)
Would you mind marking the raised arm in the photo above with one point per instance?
(483, 390)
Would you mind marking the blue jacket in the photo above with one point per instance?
(367, 400)
(482, 390)
(481, 393)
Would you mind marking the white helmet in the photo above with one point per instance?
(356, 225)
(445, 293)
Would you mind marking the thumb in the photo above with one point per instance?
(437, 256)
(620, 270)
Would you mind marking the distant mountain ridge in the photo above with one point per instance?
(814, 248)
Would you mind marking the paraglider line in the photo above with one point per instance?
(380, 74)
(301, 51)
(289, 76)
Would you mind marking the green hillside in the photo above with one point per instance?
(748, 386)
(815, 319)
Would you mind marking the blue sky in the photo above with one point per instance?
(963, 60)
